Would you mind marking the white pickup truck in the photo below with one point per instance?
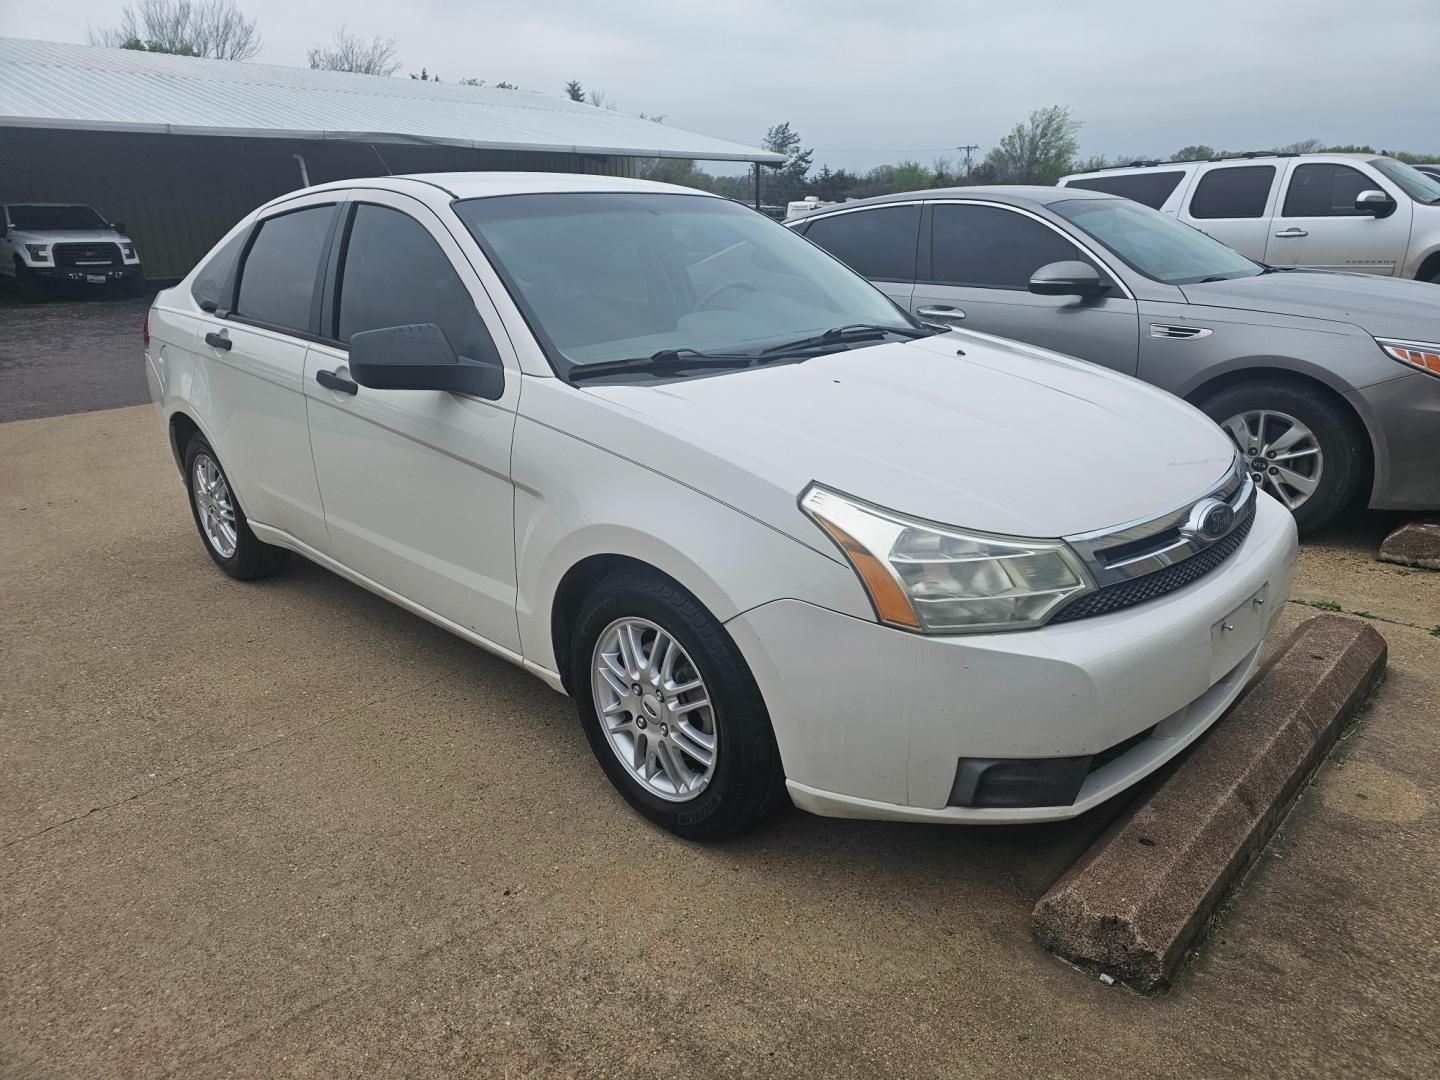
(1360, 213)
(41, 243)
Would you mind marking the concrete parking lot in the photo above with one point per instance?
(286, 829)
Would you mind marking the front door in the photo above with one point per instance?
(416, 483)
(1318, 225)
(977, 276)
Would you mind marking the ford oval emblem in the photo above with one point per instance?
(1210, 519)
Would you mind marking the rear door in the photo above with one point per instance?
(1317, 224)
(416, 483)
(1234, 204)
(976, 262)
(252, 347)
(877, 241)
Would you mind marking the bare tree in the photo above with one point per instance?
(352, 53)
(600, 99)
(1300, 146)
(213, 28)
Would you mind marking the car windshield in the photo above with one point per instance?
(1153, 243)
(615, 275)
(41, 216)
(1413, 182)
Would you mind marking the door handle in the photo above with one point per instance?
(939, 311)
(218, 341)
(340, 385)
(1286, 234)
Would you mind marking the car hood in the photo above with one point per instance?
(962, 429)
(68, 236)
(1383, 306)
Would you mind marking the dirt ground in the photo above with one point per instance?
(285, 829)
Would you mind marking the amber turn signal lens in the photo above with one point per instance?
(891, 603)
(1427, 359)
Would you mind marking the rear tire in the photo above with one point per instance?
(224, 529)
(1335, 444)
(743, 779)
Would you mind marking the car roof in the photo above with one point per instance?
(1256, 158)
(475, 185)
(1012, 194)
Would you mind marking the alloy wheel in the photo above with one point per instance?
(654, 708)
(1282, 454)
(215, 506)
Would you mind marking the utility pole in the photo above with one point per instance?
(968, 150)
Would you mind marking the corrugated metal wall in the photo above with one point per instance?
(178, 194)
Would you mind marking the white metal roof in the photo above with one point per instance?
(84, 87)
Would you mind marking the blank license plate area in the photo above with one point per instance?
(1232, 637)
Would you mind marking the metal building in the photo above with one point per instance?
(179, 148)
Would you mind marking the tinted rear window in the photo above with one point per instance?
(1150, 188)
(1233, 192)
(878, 243)
(277, 282)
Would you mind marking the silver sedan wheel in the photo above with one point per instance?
(215, 505)
(1282, 454)
(654, 709)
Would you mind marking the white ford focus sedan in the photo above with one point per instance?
(770, 533)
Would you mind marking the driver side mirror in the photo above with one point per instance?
(118, 227)
(1374, 202)
(1068, 278)
(419, 357)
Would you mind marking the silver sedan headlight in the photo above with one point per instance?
(941, 580)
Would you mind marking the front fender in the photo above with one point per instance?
(609, 505)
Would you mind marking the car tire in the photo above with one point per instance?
(1343, 456)
(223, 527)
(743, 779)
(133, 287)
(31, 289)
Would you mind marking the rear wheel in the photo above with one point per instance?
(222, 524)
(1300, 445)
(670, 708)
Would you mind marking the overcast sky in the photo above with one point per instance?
(869, 81)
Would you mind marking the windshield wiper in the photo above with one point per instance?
(843, 335)
(663, 362)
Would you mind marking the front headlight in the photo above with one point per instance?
(38, 252)
(1415, 354)
(128, 250)
(940, 580)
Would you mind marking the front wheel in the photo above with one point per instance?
(30, 288)
(1299, 444)
(670, 708)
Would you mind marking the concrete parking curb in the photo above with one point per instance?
(1139, 898)
(1416, 543)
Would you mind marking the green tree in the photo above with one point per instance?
(788, 181)
(1195, 152)
(1038, 151)
(574, 91)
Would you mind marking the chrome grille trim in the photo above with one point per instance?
(1133, 550)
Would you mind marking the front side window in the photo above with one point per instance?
(878, 243)
(277, 282)
(209, 284)
(1153, 243)
(1233, 192)
(40, 216)
(990, 247)
(1325, 190)
(396, 274)
(1150, 188)
(617, 275)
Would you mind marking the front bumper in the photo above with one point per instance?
(872, 722)
(85, 275)
(1405, 414)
